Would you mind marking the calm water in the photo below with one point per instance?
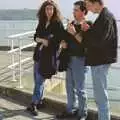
(13, 27)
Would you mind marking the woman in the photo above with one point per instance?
(48, 35)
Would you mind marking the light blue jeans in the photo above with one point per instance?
(99, 76)
(75, 86)
(39, 85)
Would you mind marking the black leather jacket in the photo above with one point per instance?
(101, 40)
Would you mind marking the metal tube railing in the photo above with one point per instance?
(12, 57)
(19, 49)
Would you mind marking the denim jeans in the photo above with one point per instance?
(99, 76)
(39, 85)
(75, 86)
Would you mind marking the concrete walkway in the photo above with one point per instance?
(27, 82)
(11, 110)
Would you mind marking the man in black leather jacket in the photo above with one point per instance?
(101, 51)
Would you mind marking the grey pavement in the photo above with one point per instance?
(11, 110)
(27, 82)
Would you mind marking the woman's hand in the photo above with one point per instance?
(42, 40)
(45, 42)
(63, 44)
(39, 40)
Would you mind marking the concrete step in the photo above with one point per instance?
(51, 101)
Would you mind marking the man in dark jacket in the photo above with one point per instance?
(101, 51)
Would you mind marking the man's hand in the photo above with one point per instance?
(71, 29)
(85, 26)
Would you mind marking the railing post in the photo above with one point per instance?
(20, 66)
(13, 60)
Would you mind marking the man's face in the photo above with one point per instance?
(77, 13)
(90, 6)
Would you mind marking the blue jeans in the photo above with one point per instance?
(39, 85)
(99, 76)
(75, 86)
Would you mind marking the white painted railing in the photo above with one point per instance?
(12, 39)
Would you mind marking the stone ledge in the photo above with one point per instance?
(25, 97)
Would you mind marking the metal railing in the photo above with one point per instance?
(19, 38)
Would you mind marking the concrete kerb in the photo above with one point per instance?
(25, 98)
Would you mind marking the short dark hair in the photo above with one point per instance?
(82, 6)
(99, 1)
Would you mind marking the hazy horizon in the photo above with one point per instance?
(65, 5)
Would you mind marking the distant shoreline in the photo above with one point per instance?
(18, 14)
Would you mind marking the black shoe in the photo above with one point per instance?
(32, 109)
(40, 105)
(66, 115)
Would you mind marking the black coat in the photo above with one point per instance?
(74, 48)
(47, 56)
(101, 40)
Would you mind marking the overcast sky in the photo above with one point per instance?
(18, 4)
(65, 5)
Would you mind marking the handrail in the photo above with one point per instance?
(19, 37)
(17, 63)
(20, 34)
(23, 47)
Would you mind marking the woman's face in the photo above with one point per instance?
(49, 10)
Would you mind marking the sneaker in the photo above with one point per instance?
(32, 110)
(40, 105)
(66, 115)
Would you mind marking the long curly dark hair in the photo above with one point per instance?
(42, 15)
